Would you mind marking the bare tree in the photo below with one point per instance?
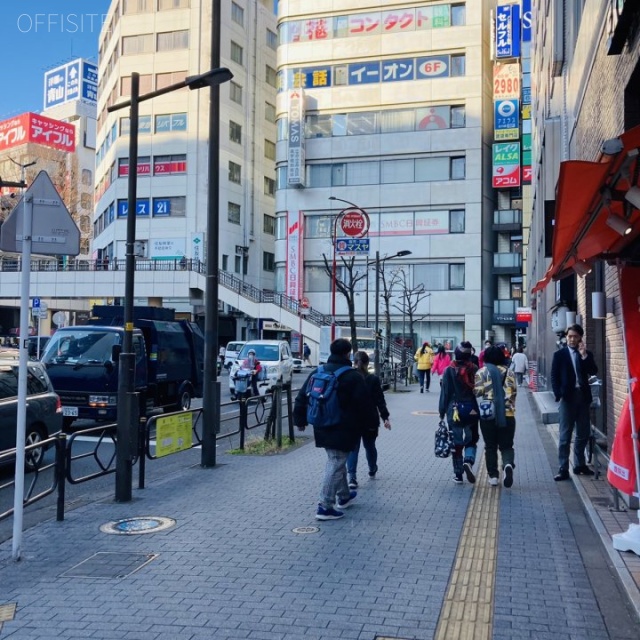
(386, 294)
(347, 287)
(410, 298)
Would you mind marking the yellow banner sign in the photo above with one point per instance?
(173, 433)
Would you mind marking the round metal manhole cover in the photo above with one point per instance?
(133, 526)
(424, 413)
(305, 530)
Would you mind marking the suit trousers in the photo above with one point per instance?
(573, 412)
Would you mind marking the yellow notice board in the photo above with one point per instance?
(173, 433)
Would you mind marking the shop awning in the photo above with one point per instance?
(586, 195)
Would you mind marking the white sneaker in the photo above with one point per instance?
(493, 482)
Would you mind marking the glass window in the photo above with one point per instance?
(280, 279)
(269, 187)
(318, 226)
(363, 173)
(8, 383)
(316, 279)
(458, 17)
(235, 92)
(269, 224)
(318, 126)
(319, 175)
(236, 53)
(516, 288)
(87, 177)
(269, 150)
(169, 164)
(395, 121)
(339, 175)
(434, 277)
(456, 276)
(173, 40)
(395, 171)
(165, 5)
(281, 227)
(132, 45)
(458, 65)
(136, 6)
(235, 132)
(282, 126)
(456, 221)
(225, 262)
(339, 127)
(166, 79)
(457, 117)
(458, 168)
(432, 169)
(233, 213)
(362, 123)
(272, 40)
(237, 267)
(268, 261)
(174, 206)
(237, 13)
(281, 178)
(235, 173)
(269, 112)
(270, 76)
(86, 200)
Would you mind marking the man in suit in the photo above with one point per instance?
(570, 371)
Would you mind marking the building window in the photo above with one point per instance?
(268, 261)
(238, 264)
(458, 168)
(225, 262)
(145, 86)
(237, 14)
(235, 92)
(456, 276)
(235, 132)
(86, 202)
(168, 165)
(236, 53)
(172, 40)
(271, 76)
(87, 177)
(136, 6)
(269, 187)
(172, 77)
(174, 206)
(458, 16)
(269, 112)
(516, 288)
(458, 65)
(458, 118)
(456, 221)
(235, 173)
(166, 5)
(170, 122)
(233, 212)
(269, 150)
(133, 45)
(269, 225)
(272, 40)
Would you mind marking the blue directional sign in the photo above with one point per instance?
(35, 304)
(352, 246)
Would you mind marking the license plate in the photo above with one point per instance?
(70, 411)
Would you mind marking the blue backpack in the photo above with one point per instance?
(323, 408)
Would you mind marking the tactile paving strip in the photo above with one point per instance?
(7, 612)
(467, 613)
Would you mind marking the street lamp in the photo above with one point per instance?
(126, 371)
(334, 238)
(379, 264)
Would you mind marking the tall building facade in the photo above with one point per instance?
(387, 106)
(165, 41)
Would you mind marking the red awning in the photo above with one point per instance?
(587, 193)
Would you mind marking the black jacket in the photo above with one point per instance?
(354, 401)
(377, 406)
(454, 390)
(563, 375)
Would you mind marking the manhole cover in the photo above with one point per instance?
(424, 413)
(133, 526)
(305, 530)
(106, 564)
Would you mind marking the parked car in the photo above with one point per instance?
(276, 360)
(231, 353)
(297, 365)
(44, 410)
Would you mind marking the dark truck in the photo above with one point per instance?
(82, 362)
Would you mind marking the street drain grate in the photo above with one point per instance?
(303, 530)
(134, 526)
(105, 564)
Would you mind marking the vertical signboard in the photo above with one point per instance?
(526, 20)
(294, 284)
(197, 247)
(506, 165)
(506, 81)
(507, 31)
(76, 80)
(296, 155)
(506, 119)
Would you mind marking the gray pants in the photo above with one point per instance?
(335, 478)
(575, 412)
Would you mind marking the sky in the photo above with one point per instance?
(38, 35)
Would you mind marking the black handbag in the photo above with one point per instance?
(444, 441)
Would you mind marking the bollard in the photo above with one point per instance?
(278, 401)
(244, 413)
(61, 473)
(290, 413)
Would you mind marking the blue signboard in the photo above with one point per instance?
(433, 67)
(396, 70)
(364, 73)
(526, 20)
(55, 82)
(142, 208)
(89, 72)
(161, 207)
(508, 31)
(506, 117)
(73, 81)
(352, 246)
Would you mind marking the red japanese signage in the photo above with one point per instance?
(354, 224)
(31, 127)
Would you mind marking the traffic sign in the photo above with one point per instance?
(35, 303)
(39, 312)
(304, 302)
(60, 318)
(53, 230)
(354, 223)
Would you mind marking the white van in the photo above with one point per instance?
(231, 353)
(275, 358)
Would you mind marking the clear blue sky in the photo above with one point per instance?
(38, 35)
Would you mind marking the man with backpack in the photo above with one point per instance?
(332, 400)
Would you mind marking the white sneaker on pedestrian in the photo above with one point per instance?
(493, 482)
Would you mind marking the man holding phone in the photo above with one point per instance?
(570, 371)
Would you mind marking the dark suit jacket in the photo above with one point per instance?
(563, 376)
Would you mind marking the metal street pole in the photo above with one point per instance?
(376, 353)
(333, 278)
(366, 294)
(211, 385)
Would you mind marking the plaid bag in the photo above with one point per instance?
(444, 441)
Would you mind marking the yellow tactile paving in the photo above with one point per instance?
(467, 613)
(7, 611)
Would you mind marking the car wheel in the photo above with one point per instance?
(34, 457)
(184, 401)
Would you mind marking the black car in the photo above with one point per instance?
(44, 410)
(32, 346)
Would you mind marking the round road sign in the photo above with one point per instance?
(304, 302)
(354, 223)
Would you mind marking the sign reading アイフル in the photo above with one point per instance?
(53, 230)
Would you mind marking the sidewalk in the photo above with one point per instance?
(247, 559)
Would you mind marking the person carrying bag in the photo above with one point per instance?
(495, 388)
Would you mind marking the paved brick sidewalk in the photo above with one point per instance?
(233, 568)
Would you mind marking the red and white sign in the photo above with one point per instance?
(293, 272)
(31, 127)
(506, 81)
(304, 302)
(354, 223)
(523, 314)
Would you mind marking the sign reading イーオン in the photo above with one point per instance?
(173, 433)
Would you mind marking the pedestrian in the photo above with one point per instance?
(369, 422)
(520, 365)
(487, 344)
(458, 403)
(339, 440)
(221, 354)
(424, 360)
(570, 371)
(495, 385)
(306, 354)
(440, 362)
